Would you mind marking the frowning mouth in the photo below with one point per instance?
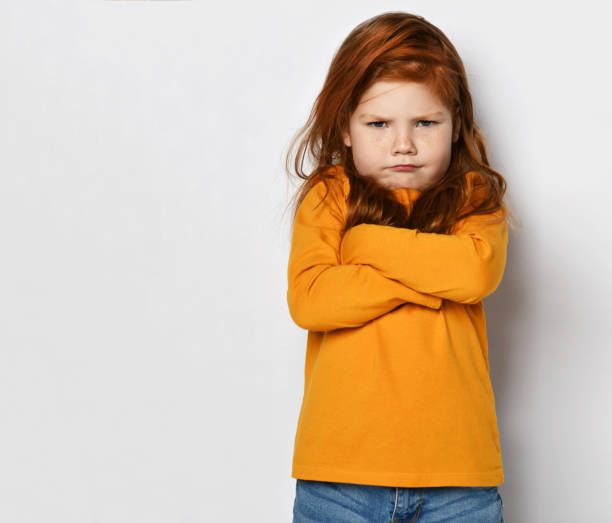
(404, 167)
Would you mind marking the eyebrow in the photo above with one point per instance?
(376, 117)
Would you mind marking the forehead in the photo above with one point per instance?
(393, 95)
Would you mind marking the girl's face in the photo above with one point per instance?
(399, 123)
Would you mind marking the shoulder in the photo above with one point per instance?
(477, 188)
(475, 179)
(344, 184)
(338, 180)
(331, 182)
(323, 201)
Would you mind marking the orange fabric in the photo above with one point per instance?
(396, 381)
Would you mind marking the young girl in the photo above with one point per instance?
(398, 234)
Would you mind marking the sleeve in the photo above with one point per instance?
(464, 267)
(323, 294)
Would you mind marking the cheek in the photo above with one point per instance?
(439, 141)
(372, 143)
(378, 141)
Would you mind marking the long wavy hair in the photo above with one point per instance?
(397, 46)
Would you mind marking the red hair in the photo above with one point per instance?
(398, 46)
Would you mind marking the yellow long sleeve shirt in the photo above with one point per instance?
(396, 381)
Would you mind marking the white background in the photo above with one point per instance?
(149, 368)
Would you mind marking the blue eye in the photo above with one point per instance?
(376, 126)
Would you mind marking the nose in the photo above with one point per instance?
(403, 142)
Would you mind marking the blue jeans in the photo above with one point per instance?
(330, 502)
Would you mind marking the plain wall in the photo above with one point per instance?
(149, 368)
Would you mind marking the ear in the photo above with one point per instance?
(457, 127)
(347, 139)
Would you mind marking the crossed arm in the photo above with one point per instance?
(336, 282)
(464, 267)
(324, 294)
